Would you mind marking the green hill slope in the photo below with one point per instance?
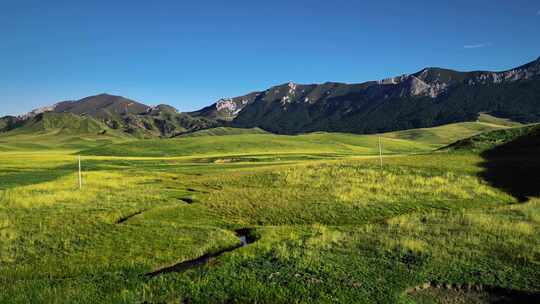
(317, 143)
(492, 120)
(8, 123)
(223, 131)
(116, 113)
(65, 123)
(488, 140)
(256, 141)
(60, 131)
(445, 134)
(70, 131)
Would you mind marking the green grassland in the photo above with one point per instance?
(329, 224)
(314, 143)
(220, 131)
(485, 118)
(231, 141)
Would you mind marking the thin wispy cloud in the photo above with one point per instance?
(477, 45)
(538, 13)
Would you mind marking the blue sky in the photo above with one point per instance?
(190, 53)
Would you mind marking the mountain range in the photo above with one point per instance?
(430, 97)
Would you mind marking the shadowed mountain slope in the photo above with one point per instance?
(430, 97)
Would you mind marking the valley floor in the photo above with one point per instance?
(263, 227)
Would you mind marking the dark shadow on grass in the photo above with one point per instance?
(187, 200)
(515, 166)
(472, 293)
(31, 177)
(127, 217)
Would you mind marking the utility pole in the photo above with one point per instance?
(380, 152)
(80, 174)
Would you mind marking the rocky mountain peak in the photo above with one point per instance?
(162, 109)
(38, 111)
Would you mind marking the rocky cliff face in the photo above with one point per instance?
(429, 82)
(38, 111)
(429, 97)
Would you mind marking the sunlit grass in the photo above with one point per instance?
(331, 227)
(347, 192)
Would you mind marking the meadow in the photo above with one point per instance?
(326, 223)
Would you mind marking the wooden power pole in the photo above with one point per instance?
(380, 152)
(80, 174)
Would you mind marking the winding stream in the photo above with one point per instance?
(243, 235)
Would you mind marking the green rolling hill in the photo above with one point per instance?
(489, 140)
(51, 130)
(445, 134)
(60, 131)
(256, 141)
(222, 131)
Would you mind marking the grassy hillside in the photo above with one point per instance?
(221, 131)
(60, 131)
(69, 131)
(255, 141)
(112, 112)
(8, 122)
(447, 133)
(259, 144)
(488, 140)
(65, 123)
(496, 121)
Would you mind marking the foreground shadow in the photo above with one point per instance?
(515, 166)
(471, 293)
(18, 178)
